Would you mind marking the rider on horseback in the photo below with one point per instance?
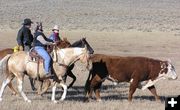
(55, 35)
(40, 41)
(24, 37)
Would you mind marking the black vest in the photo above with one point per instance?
(37, 42)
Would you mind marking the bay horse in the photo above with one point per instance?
(19, 64)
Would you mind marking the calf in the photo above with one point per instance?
(141, 72)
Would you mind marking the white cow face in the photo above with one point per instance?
(169, 72)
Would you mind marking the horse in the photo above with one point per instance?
(19, 64)
(64, 43)
(80, 43)
(4, 52)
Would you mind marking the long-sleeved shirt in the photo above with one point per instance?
(41, 40)
(24, 36)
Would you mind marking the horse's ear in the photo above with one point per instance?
(84, 38)
(64, 39)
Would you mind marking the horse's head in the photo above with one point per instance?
(82, 43)
(68, 56)
(64, 43)
(39, 26)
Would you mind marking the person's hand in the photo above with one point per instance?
(20, 48)
(54, 44)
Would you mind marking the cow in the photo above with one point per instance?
(140, 72)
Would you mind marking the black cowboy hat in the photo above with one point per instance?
(27, 21)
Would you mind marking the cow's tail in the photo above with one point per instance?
(3, 63)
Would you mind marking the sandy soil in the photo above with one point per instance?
(159, 45)
(107, 15)
(149, 28)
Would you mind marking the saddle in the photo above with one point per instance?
(34, 56)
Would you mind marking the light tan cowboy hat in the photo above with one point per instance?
(56, 27)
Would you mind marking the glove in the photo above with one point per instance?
(20, 48)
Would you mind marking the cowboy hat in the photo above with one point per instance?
(56, 27)
(27, 21)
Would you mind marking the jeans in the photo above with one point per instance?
(47, 59)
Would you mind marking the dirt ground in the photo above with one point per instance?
(158, 45)
(149, 28)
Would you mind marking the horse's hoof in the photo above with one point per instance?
(62, 99)
(99, 100)
(115, 83)
(29, 101)
(34, 89)
(54, 101)
(86, 100)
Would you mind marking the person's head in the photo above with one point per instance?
(55, 29)
(39, 27)
(27, 22)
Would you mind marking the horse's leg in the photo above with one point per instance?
(40, 84)
(53, 92)
(14, 91)
(46, 84)
(70, 74)
(20, 88)
(97, 91)
(64, 91)
(32, 84)
(65, 77)
(5, 83)
(93, 84)
(152, 89)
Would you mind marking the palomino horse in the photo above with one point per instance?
(80, 43)
(64, 43)
(19, 64)
(3, 53)
(46, 83)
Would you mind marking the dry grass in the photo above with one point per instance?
(119, 27)
(160, 45)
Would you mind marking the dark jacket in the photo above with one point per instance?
(36, 42)
(24, 36)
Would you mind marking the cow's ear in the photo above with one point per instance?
(163, 64)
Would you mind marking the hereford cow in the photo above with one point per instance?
(141, 72)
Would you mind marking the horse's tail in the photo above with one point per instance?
(3, 63)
